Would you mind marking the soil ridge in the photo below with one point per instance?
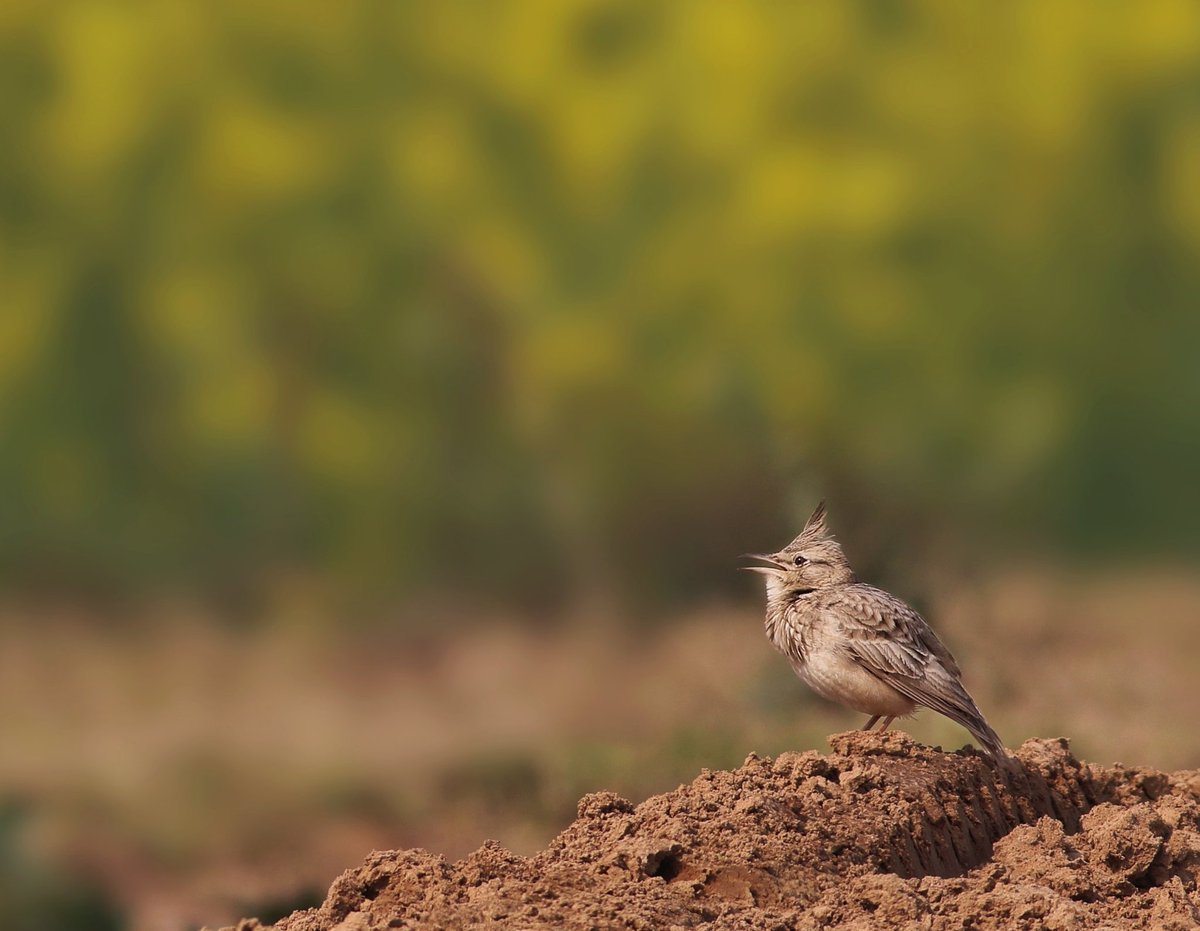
(880, 832)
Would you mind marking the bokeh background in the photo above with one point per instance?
(388, 390)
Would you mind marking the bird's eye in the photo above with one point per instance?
(799, 560)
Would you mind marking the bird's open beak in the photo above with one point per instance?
(774, 565)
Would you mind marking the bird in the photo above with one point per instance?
(858, 645)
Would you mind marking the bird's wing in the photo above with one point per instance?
(892, 641)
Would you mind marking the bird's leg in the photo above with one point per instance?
(887, 722)
(871, 723)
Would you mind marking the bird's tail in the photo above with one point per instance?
(982, 731)
(959, 707)
(942, 691)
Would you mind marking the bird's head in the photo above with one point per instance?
(812, 561)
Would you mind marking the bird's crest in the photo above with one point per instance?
(815, 525)
(814, 528)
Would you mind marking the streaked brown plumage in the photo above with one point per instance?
(856, 644)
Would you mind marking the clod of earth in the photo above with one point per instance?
(882, 832)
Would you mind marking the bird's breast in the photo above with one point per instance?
(816, 654)
(789, 630)
(833, 675)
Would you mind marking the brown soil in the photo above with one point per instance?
(880, 833)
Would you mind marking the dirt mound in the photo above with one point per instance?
(882, 832)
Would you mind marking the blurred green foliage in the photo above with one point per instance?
(542, 299)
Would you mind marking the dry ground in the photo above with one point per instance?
(201, 774)
(880, 833)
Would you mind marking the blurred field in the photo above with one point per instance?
(198, 773)
(387, 390)
(607, 289)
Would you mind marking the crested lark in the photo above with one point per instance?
(856, 644)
